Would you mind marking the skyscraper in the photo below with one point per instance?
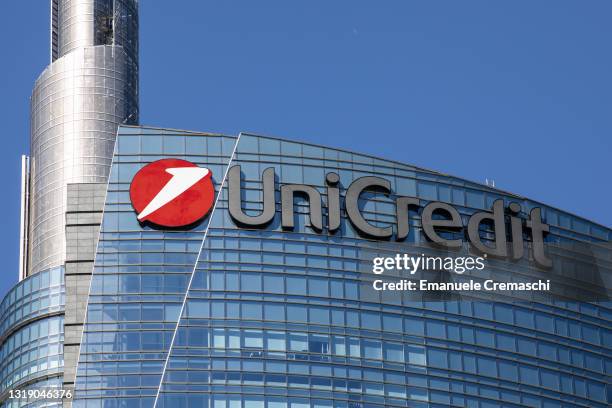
(88, 90)
(256, 289)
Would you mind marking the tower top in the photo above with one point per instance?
(84, 23)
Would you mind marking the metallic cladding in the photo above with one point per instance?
(76, 106)
(86, 23)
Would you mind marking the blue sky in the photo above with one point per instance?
(469, 88)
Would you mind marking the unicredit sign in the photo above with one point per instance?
(436, 217)
(172, 193)
(178, 193)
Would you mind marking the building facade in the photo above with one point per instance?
(32, 336)
(227, 316)
(267, 302)
(221, 314)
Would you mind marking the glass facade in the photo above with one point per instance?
(220, 316)
(140, 275)
(274, 318)
(31, 337)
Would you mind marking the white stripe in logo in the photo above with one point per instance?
(182, 179)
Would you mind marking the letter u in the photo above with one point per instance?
(235, 199)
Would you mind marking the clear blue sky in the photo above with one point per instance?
(462, 87)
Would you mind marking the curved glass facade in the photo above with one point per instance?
(229, 317)
(32, 335)
(277, 313)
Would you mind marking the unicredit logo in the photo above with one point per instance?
(172, 193)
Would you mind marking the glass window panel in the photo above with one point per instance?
(414, 326)
(487, 366)
(415, 354)
(524, 318)
(339, 345)
(275, 312)
(392, 323)
(547, 351)
(474, 199)
(597, 391)
(526, 346)
(318, 287)
(250, 282)
(593, 362)
(253, 339)
(298, 342)
(297, 313)
(437, 358)
(506, 342)
(485, 338)
(274, 284)
(198, 309)
(455, 361)
(372, 349)
(318, 344)
(436, 329)
(251, 310)
(544, 322)
(319, 315)
(483, 310)
(427, 191)
(296, 285)
(354, 349)
(394, 352)
(370, 321)
(529, 375)
(219, 338)
(276, 341)
(469, 363)
(550, 379)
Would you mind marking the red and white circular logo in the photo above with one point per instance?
(172, 193)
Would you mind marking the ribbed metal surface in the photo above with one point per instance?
(83, 23)
(77, 104)
(76, 25)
